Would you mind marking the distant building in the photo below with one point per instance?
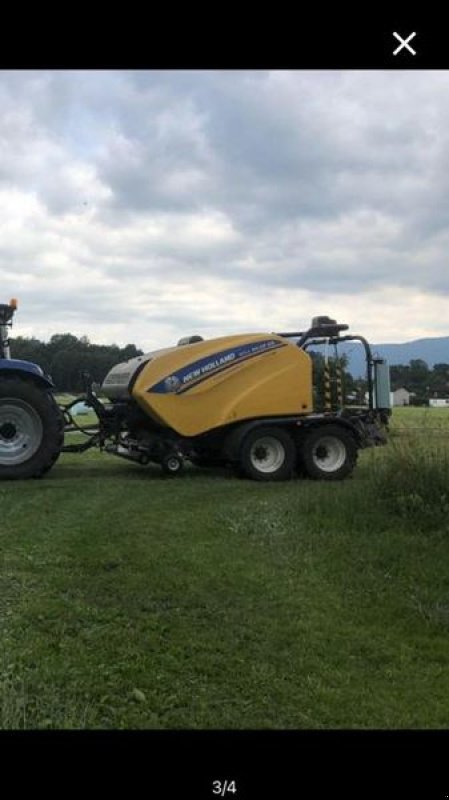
(439, 402)
(401, 397)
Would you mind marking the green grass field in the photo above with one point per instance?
(132, 600)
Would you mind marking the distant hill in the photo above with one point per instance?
(432, 351)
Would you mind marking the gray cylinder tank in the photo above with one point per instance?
(381, 383)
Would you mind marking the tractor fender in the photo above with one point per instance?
(25, 369)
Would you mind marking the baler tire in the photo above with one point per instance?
(267, 454)
(37, 416)
(172, 465)
(328, 452)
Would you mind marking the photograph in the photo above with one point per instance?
(224, 399)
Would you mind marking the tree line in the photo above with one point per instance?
(66, 357)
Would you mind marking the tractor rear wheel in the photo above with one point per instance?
(267, 454)
(328, 452)
(31, 429)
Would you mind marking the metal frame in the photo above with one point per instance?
(324, 330)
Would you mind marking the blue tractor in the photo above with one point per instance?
(31, 423)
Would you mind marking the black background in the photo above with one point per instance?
(218, 36)
(277, 764)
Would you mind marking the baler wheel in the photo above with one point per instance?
(267, 454)
(328, 452)
(172, 464)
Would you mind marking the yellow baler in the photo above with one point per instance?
(245, 399)
(203, 386)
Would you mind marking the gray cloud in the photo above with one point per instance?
(118, 188)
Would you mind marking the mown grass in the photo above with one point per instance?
(131, 600)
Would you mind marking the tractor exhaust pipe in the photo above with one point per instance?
(5, 351)
(6, 315)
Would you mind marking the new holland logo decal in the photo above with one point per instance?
(192, 374)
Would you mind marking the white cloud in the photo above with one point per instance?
(145, 206)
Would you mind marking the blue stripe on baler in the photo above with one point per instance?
(200, 370)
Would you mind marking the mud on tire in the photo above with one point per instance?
(31, 429)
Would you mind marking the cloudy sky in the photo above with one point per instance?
(144, 206)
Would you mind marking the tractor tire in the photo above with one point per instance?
(328, 453)
(31, 429)
(267, 454)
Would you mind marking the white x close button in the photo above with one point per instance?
(404, 44)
